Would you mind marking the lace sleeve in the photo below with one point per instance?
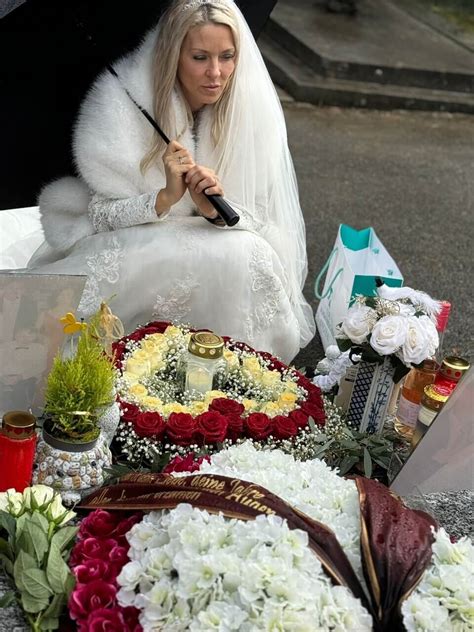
(109, 214)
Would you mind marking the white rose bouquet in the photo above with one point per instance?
(399, 323)
(35, 541)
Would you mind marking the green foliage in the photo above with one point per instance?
(77, 390)
(33, 555)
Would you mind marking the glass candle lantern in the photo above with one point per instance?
(203, 368)
(17, 450)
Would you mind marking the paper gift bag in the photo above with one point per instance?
(358, 257)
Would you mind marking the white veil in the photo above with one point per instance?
(254, 149)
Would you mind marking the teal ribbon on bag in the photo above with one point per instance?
(323, 271)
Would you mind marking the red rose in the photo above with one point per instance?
(315, 411)
(212, 426)
(186, 463)
(235, 427)
(86, 598)
(259, 426)
(299, 417)
(284, 427)
(91, 549)
(104, 620)
(90, 570)
(124, 527)
(227, 406)
(149, 425)
(129, 412)
(99, 524)
(181, 428)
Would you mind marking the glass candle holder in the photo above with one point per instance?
(17, 450)
(202, 368)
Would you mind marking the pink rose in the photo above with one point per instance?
(185, 463)
(91, 549)
(104, 620)
(87, 598)
(118, 556)
(90, 570)
(99, 524)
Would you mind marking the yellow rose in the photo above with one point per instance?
(171, 331)
(197, 408)
(156, 361)
(137, 367)
(252, 365)
(131, 378)
(271, 378)
(291, 386)
(250, 404)
(153, 403)
(138, 390)
(231, 358)
(271, 409)
(174, 407)
(287, 400)
(210, 395)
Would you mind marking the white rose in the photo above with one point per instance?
(432, 334)
(358, 323)
(38, 496)
(58, 513)
(416, 347)
(389, 334)
(15, 502)
(4, 502)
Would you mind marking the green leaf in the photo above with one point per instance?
(7, 564)
(33, 604)
(70, 584)
(367, 464)
(347, 463)
(24, 561)
(57, 605)
(6, 549)
(38, 538)
(20, 524)
(64, 536)
(350, 444)
(36, 583)
(344, 344)
(25, 543)
(384, 463)
(56, 570)
(41, 521)
(312, 425)
(7, 599)
(49, 624)
(8, 523)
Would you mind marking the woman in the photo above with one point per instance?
(135, 221)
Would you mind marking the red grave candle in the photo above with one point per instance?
(17, 450)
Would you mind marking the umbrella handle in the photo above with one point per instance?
(224, 209)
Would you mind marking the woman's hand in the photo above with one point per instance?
(199, 180)
(177, 161)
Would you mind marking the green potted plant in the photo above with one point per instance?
(78, 390)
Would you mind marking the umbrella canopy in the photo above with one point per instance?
(54, 51)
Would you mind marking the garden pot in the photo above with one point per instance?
(74, 470)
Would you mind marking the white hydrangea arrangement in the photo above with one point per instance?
(444, 598)
(190, 570)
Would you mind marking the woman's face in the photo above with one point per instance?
(206, 63)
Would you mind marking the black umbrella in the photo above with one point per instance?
(54, 51)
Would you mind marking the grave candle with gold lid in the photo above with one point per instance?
(202, 368)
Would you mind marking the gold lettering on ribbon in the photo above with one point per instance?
(249, 496)
(102, 498)
(210, 484)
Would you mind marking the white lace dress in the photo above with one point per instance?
(182, 269)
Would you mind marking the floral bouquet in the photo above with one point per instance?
(195, 569)
(399, 324)
(34, 547)
(260, 398)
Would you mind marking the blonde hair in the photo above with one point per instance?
(173, 27)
